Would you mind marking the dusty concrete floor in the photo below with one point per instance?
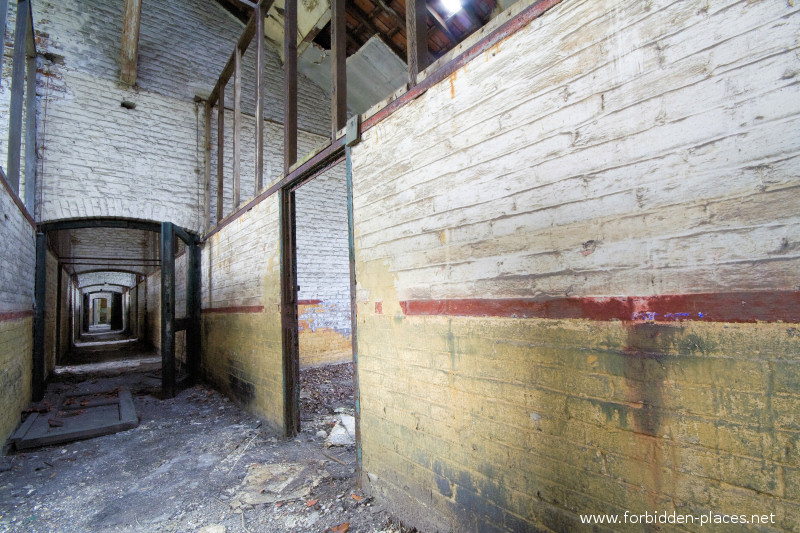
(195, 463)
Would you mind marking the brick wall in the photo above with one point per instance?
(152, 293)
(141, 312)
(323, 269)
(241, 312)
(65, 332)
(100, 159)
(18, 250)
(577, 274)
(76, 312)
(273, 157)
(5, 98)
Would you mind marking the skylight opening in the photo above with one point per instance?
(451, 7)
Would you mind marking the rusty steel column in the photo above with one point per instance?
(167, 309)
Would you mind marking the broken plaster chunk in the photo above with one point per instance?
(213, 528)
(343, 433)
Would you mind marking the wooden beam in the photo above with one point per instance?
(289, 328)
(129, 54)
(394, 15)
(30, 133)
(241, 45)
(259, 178)
(207, 166)
(17, 95)
(220, 151)
(167, 310)
(472, 16)
(363, 19)
(193, 304)
(237, 126)
(441, 24)
(417, 39)
(338, 67)
(59, 285)
(3, 19)
(290, 85)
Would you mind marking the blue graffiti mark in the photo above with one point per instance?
(651, 316)
(677, 315)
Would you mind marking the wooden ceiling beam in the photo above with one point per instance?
(363, 19)
(129, 53)
(475, 21)
(440, 23)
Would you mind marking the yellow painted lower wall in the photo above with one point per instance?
(489, 424)
(16, 347)
(320, 345)
(242, 357)
(153, 309)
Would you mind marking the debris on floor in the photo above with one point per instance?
(196, 462)
(76, 416)
(343, 433)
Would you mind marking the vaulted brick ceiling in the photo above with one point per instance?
(107, 249)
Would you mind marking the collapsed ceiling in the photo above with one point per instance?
(376, 39)
(368, 18)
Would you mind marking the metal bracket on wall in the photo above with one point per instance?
(351, 133)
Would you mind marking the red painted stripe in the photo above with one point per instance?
(15, 315)
(234, 309)
(309, 302)
(744, 306)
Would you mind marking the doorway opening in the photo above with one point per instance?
(324, 322)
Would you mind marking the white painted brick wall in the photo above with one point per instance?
(323, 262)
(273, 158)
(630, 157)
(237, 261)
(18, 253)
(5, 98)
(99, 159)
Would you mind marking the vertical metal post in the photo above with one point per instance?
(353, 308)
(58, 311)
(290, 85)
(259, 99)
(237, 125)
(40, 300)
(416, 38)
(30, 121)
(167, 309)
(17, 96)
(193, 304)
(220, 150)
(85, 310)
(291, 351)
(207, 167)
(338, 67)
(3, 19)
